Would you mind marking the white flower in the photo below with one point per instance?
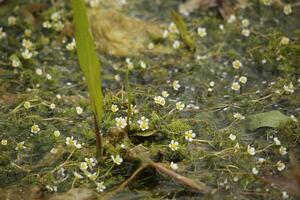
(71, 46)
(52, 106)
(254, 171)
(83, 166)
(173, 166)
(243, 79)
(47, 24)
(35, 129)
(92, 162)
(235, 86)
(174, 145)
(27, 104)
(261, 160)
(189, 135)
(27, 44)
(282, 151)
(277, 141)
(287, 9)
(11, 20)
(245, 22)
(231, 19)
(121, 122)
(27, 32)
(280, 165)
(232, 137)
(143, 123)
(94, 3)
(237, 64)
(114, 108)
(77, 175)
(150, 45)
(289, 88)
(294, 118)
(176, 85)
(165, 34)
(4, 142)
(221, 27)
(246, 32)
(212, 84)
(180, 105)
(58, 26)
(71, 142)
(160, 100)
(2, 33)
(56, 133)
(53, 151)
(201, 32)
(58, 96)
(165, 94)
(55, 16)
(48, 76)
(238, 116)
(143, 65)
(15, 61)
(26, 54)
(39, 72)
(100, 187)
(92, 176)
(267, 2)
(117, 159)
(79, 110)
(176, 44)
(284, 40)
(173, 28)
(285, 195)
(20, 146)
(251, 150)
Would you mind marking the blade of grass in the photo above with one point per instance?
(89, 64)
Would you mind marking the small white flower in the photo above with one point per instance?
(245, 22)
(201, 32)
(212, 84)
(267, 2)
(287, 9)
(55, 16)
(71, 46)
(83, 166)
(173, 28)
(20, 146)
(52, 106)
(189, 135)
(35, 129)
(243, 79)
(246, 32)
(11, 20)
(294, 118)
(173, 166)
(114, 108)
(285, 195)
(71, 142)
(77, 175)
(100, 187)
(280, 165)
(251, 150)
(235, 86)
(176, 85)
(26, 54)
(56, 133)
(47, 24)
(277, 141)
(174, 145)
(48, 76)
(121, 122)
(160, 100)
(284, 40)
(143, 123)
(2, 33)
(261, 160)
(143, 65)
(4, 142)
(58, 96)
(53, 151)
(231, 19)
(239, 116)
(39, 72)
(282, 151)
(27, 44)
(27, 104)
(289, 88)
(150, 45)
(79, 110)
(180, 105)
(176, 44)
(117, 159)
(94, 3)
(254, 171)
(165, 34)
(92, 162)
(237, 64)
(232, 137)
(165, 94)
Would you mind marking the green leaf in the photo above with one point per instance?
(87, 57)
(272, 119)
(146, 133)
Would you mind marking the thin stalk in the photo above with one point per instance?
(99, 151)
(129, 99)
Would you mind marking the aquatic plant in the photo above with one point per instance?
(89, 64)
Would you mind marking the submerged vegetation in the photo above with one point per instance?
(198, 102)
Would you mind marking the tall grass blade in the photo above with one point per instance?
(89, 63)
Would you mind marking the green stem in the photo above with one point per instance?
(129, 99)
